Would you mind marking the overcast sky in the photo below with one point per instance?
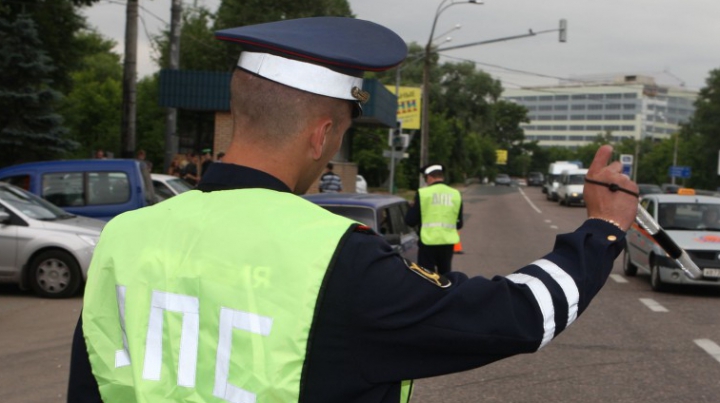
(678, 42)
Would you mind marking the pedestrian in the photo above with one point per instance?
(190, 171)
(240, 290)
(207, 159)
(437, 212)
(330, 182)
(99, 154)
(140, 156)
(220, 157)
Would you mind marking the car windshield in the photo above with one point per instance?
(179, 185)
(31, 205)
(689, 216)
(577, 179)
(364, 215)
(649, 189)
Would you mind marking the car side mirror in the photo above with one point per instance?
(392, 239)
(4, 217)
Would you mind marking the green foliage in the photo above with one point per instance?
(29, 127)
(199, 50)
(151, 121)
(93, 105)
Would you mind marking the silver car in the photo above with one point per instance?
(693, 222)
(42, 247)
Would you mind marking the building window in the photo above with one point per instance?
(612, 107)
(529, 127)
(545, 107)
(545, 98)
(628, 106)
(559, 117)
(561, 97)
(577, 128)
(630, 95)
(577, 117)
(577, 107)
(559, 138)
(560, 107)
(595, 96)
(595, 107)
(560, 128)
(544, 117)
(542, 137)
(612, 117)
(530, 138)
(544, 127)
(594, 117)
(531, 108)
(593, 128)
(613, 128)
(628, 117)
(628, 128)
(579, 96)
(613, 96)
(590, 138)
(529, 98)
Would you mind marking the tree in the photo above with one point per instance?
(92, 107)
(29, 127)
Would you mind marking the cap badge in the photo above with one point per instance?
(360, 95)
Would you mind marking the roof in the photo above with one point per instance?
(60, 165)
(354, 199)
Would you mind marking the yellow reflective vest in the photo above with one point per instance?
(439, 209)
(208, 310)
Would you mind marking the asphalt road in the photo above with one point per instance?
(619, 350)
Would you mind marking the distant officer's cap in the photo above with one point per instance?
(432, 168)
(321, 55)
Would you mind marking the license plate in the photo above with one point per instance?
(714, 273)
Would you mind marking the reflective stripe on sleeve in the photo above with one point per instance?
(544, 300)
(566, 283)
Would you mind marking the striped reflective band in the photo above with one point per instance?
(566, 283)
(542, 296)
(303, 76)
(439, 224)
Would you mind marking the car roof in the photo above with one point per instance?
(354, 199)
(64, 165)
(675, 198)
(162, 176)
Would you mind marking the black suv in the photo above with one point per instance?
(535, 179)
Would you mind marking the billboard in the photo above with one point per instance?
(409, 106)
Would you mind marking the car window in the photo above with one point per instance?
(31, 205)
(179, 185)
(21, 181)
(577, 179)
(108, 188)
(385, 222)
(363, 215)
(397, 219)
(162, 192)
(63, 189)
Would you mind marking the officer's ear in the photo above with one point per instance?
(319, 133)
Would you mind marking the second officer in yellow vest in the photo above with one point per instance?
(437, 212)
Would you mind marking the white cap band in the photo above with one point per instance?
(432, 168)
(303, 76)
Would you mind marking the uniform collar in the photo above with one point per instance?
(225, 176)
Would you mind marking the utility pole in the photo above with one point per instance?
(171, 139)
(129, 104)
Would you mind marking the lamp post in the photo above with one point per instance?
(425, 119)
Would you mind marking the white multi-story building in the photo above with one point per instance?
(572, 114)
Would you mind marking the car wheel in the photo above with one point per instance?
(54, 274)
(656, 282)
(629, 268)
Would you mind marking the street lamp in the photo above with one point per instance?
(425, 119)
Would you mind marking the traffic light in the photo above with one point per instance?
(396, 139)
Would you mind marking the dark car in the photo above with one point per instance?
(383, 213)
(670, 188)
(535, 179)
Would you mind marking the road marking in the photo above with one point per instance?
(548, 221)
(529, 201)
(618, 278)
(710, 347)
(554, 226)
(653, 305)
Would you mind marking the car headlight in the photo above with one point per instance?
(92, 240)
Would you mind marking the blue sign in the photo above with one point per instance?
(626, 169)
(679, 172)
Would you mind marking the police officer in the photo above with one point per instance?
(241, 291)
(437, 212)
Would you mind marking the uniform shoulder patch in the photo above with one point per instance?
(429, 275)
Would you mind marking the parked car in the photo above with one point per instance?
(360, 184)
(43, 247)
(503, 180)
(535, 179)
(167, 186)
(101, 188)
(383, 213)
(670, 188)
(649, 188)
(685, 219)
(552, 180)
(571, 187)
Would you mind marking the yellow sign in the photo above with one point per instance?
(409, 106)
(501, 157)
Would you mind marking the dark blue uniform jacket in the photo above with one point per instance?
(380, 322)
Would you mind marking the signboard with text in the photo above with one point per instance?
(409, 106)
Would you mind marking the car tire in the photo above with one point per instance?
(54, 274)
(629, 268)
(656, 282)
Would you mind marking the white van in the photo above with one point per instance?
(552, 180)
(570, 191)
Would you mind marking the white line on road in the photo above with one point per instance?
(529, 202)
(618, 278)
(554, 226)
(548, 221)
(710, 347)
(653, 305)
